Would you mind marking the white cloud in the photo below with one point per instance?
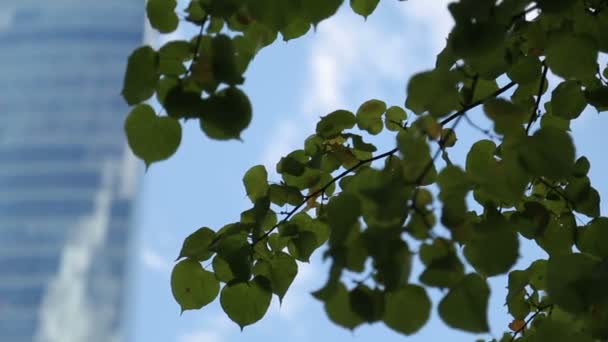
(154, 261)
(298, 296)
(215, 329)
(349, 59)
(201, 336)
(285, 136)
(434, 18)
(68, 313)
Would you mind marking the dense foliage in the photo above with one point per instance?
(411, 206)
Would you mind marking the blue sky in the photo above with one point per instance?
(347, 61)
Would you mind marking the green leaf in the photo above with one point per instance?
(568, 100)
(192, 286)
(454, 186)
(303, 245)
(246, 302)
(222, 270)
(181, 103)
(364, 7)
(526, 69)
(407, 310)
(343, 211)
(152, 138)
(195, 11)
(556, 238)
(334, 123)
(597, 97)
(227, 113)
(256, 182)
(317, 10)
(554, 6)
(291, 166)
(196, 245)
(566, 47)
(224, 63)
(141, 76)
(297, 28)
(339, 310)
(424, 90)
(516, 298)
(569, 277)
(581, 167)
(236, 251)
(282, 194)
(506, 115)
(531, 221)
(172, 55)
(280, 270)
(162, 16)
(592, 238)
(367, 303)
(394, 118)
(494, 248)
(369, 116)
(416, 157)
(548, 153)
(465, 306)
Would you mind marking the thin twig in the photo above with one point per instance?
(476, 103)
(197, 47)
(324, 188)
(486, 132)
(523, 327)
(539, 96)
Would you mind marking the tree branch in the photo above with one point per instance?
(325, 187)
(197, 47)
(476, 103)
(523, 327)
(534, 114)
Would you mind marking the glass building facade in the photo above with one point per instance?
(67, 179)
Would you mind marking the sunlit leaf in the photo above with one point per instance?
(256, 182)
(152, 138)
(246, 302)
(369, 116)
(192, 286)
(196, 245)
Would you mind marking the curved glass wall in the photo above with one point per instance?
(66, 176)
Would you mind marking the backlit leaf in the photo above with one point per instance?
(334, 123)
(369, 116)
(162, 16)
(246, 302)
(141, 76)
(364, 7)
(339, 310)
(465, 306)
(256, 182)
(196, 245)
(192, 286)
(407, 310)
(152, 138)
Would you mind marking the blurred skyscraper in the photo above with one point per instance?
(67, 180)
